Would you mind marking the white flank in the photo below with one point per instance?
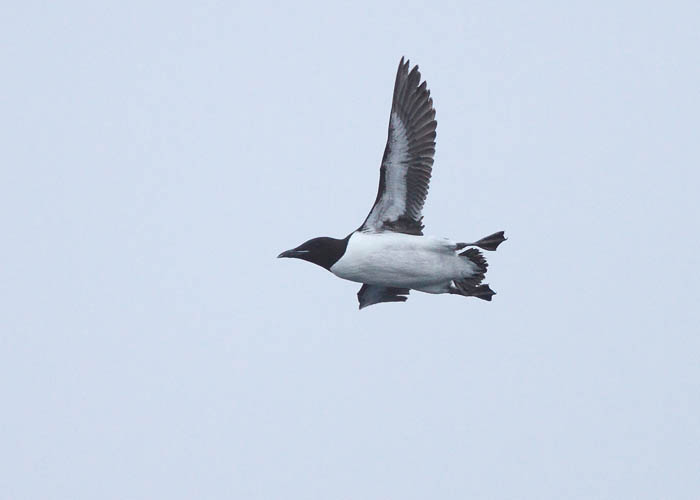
(425, 263)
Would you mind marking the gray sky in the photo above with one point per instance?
(157, 157)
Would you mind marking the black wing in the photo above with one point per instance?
(408, 158)
(373, 294)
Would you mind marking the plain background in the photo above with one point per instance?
(157, 156)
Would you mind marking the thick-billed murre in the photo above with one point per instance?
(389, 254)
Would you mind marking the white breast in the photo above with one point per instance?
(400, 260)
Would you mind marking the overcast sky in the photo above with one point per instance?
(157, 156)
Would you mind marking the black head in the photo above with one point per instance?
(321, 251)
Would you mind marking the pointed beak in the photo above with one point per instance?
(287, 253)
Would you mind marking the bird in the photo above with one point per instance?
(388, 253)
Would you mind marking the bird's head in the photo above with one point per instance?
(322, 251)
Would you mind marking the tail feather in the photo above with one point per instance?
(477, 258)
(471, 286)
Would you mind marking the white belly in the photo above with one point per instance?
(401, 260)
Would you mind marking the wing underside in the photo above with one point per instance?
(408, 157)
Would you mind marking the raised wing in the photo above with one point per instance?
(373, 294)
(408, 158)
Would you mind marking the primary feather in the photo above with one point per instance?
(404, 176)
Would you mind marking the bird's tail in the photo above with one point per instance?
(471, 286)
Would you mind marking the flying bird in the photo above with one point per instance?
(389, 254)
